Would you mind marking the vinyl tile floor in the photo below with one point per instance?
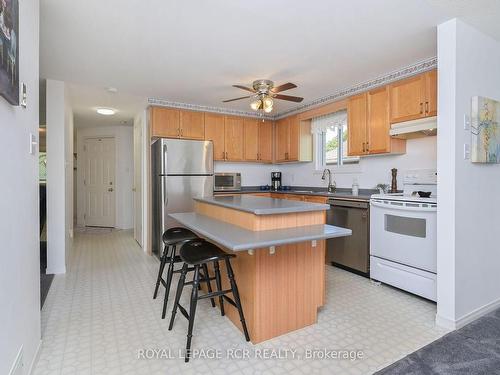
(100, 318)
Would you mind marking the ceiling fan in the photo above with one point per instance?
(264, 92)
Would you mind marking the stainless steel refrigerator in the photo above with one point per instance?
(181, 170)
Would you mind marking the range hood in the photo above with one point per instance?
(414, 129)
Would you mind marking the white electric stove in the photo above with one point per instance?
(403, 235)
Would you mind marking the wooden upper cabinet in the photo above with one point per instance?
(282, 139)
(165, 122)
(431, 93)
(192, 125)
(356, 124)
(233, 138)
(414, 97)
(379, 140)
(214, 131)
(251, 139)
(294, 146)
(293, 141)
(266, 141)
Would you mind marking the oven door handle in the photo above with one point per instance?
(402, 207)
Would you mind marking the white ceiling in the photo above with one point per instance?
(193, 51)
(86, 99)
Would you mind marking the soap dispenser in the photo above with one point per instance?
(355, 187)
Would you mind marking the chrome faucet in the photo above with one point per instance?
(331, 185)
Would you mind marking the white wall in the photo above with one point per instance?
(59, 176)
(469, 206)
(421, 153)
(124, 171)
(19, 207)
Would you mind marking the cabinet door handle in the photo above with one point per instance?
(226, 155)
(421, 108)
(427, 107)
(223, 155)
(367, 147)
(363, 146)
(178, 132)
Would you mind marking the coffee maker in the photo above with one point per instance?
(275, 181)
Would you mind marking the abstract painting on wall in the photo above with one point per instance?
(485, 128)
(9, 50)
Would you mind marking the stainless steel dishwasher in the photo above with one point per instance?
(352, 252)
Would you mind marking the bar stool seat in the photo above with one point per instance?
(201, 251)
(172, 239)
(197, 253)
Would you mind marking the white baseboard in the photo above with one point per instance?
(467, 318)
(35, 358)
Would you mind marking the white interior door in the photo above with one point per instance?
(99, 182)
(138, 182)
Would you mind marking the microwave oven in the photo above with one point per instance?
(227, 181)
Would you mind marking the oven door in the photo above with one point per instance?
(404, 232)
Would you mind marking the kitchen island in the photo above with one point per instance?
(280, 257)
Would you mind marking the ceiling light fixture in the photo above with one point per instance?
(106, 111)
(256, 105)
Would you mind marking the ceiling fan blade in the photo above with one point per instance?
(288, 97)
(244, 88)
(232, 100)
(284, 87)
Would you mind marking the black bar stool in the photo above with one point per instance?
(172, 238)
(198, 253)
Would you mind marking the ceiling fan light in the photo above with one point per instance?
(268, 109)
(267, 104)
(256, 105)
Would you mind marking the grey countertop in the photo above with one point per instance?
(262, 205)
(236, 238)
(364, 194)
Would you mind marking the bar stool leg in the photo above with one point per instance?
(170, 273)
(236, 294)
(163, 260)
(219, 286)
(209, 285)
(192, 310)
(178, 294)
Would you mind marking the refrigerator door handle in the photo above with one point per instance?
(164, 159)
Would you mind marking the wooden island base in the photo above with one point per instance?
(281, 291)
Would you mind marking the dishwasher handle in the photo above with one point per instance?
(348, 203)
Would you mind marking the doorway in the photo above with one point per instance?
(99, 182)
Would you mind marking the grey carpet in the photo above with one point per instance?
(473, 349)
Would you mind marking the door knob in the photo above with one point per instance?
(110, 189)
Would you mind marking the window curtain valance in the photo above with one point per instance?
(328, 122)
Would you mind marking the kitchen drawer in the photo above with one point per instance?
(411, 279)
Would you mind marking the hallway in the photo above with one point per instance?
(100, 315)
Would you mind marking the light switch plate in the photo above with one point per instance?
(466, 122)
(466, 151)
(33, 143)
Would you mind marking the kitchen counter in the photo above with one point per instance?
(262, 205)
(279, 262)
(236, 238)
(364, 194)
